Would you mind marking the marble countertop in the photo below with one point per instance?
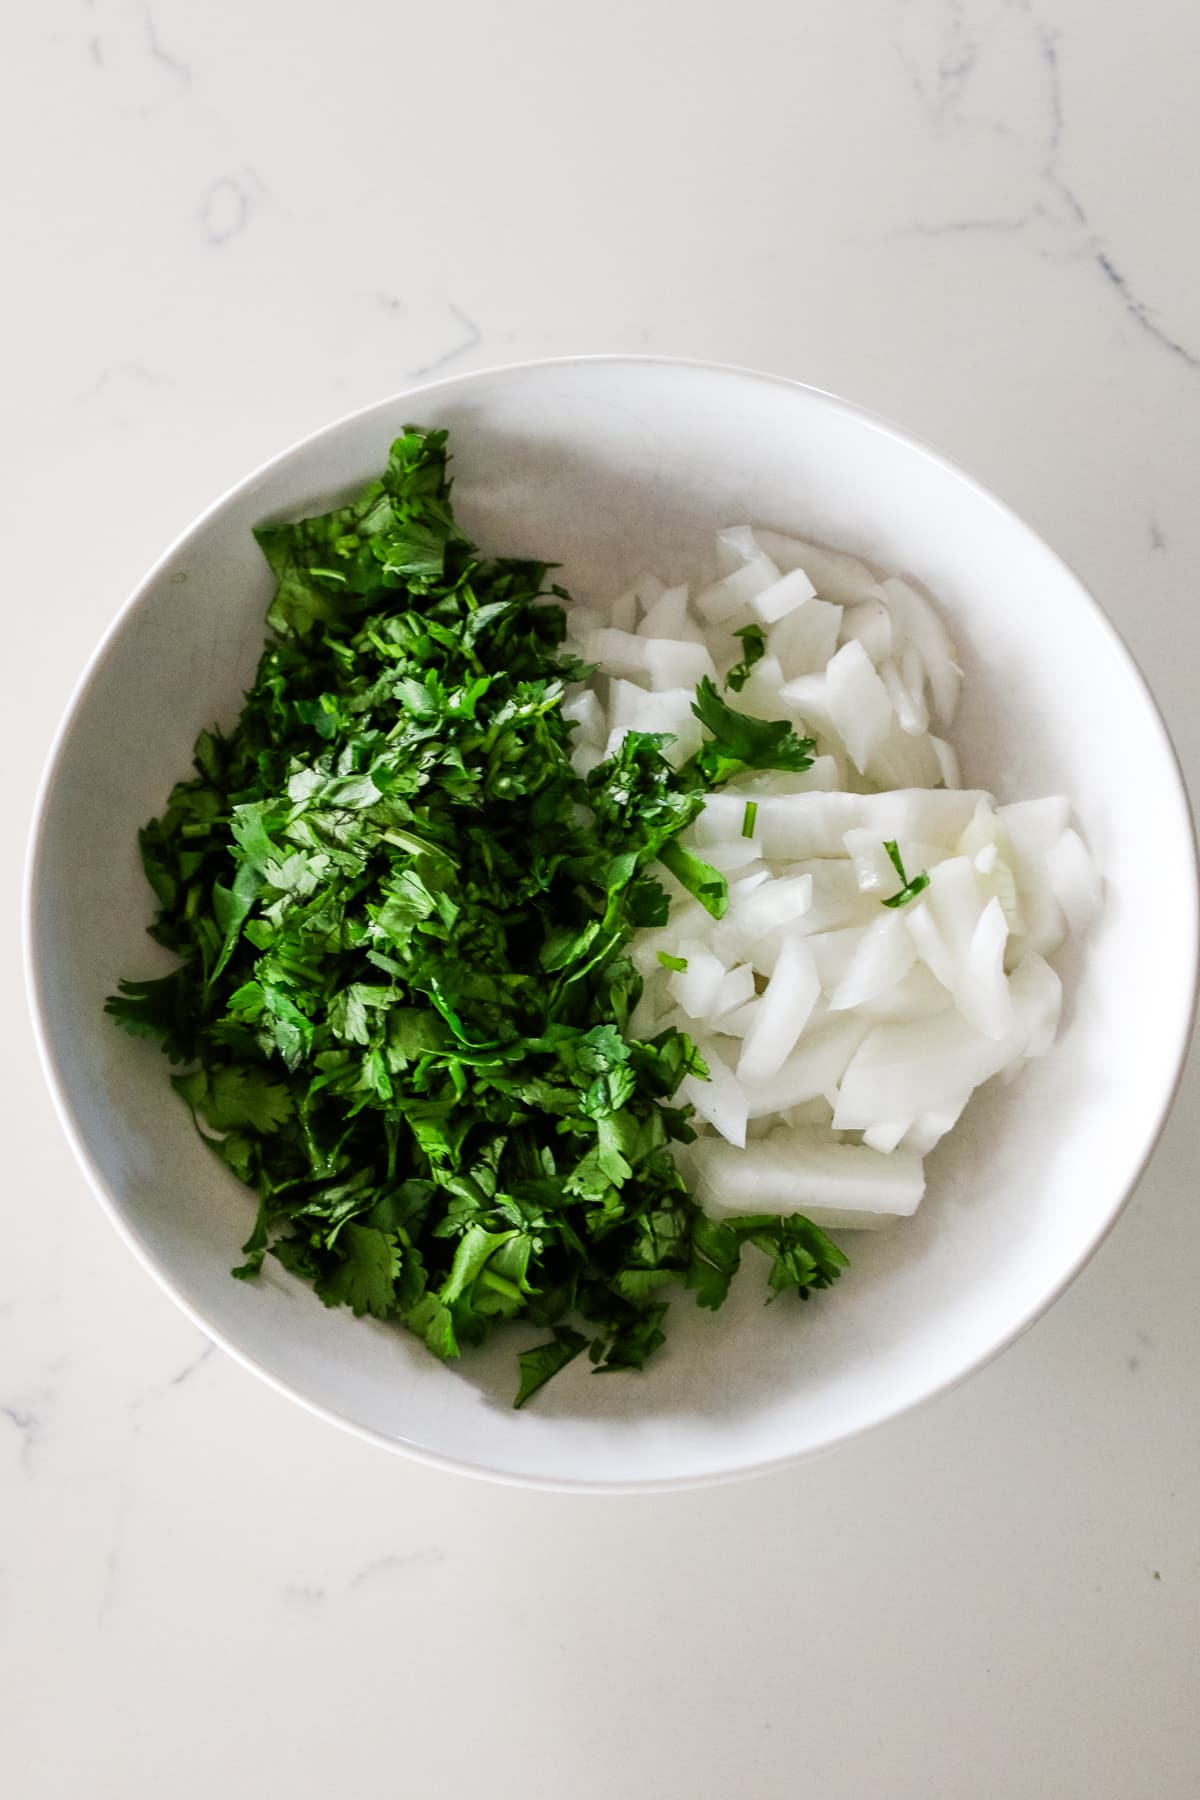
(227, 224)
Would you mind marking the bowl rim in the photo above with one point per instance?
(112, 1206)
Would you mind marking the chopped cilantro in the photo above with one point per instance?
(401, 1006)
(754, 648)
(739, 742)
(908, 889)
(748, 818)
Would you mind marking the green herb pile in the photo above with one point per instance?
(403, 992)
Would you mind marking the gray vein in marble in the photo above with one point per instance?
(29, 1415)
(944, 89)
(224, 210)
(387, 1565)
(96, 52)
(955, 59)
(177, 69)
(1138, 310)
(1154, 532)
(473, 337)
(189, 1368)
(150, 1396)
(27, 1422)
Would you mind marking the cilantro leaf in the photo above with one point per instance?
(908, 889)
(364, 1277)
(545, 1360)
(754, 648)
(699, 878)
(226, 1097)
(739, 742)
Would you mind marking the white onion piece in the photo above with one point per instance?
(805, 640)
(1032, 828)
(900, 1071)
(908, 703)
(790, 826)
(732, 594)
(871, 863)
(983, 829)
(624, 702)
(807, 696)
(904, 761)
(631, 708)
(884, 957)
(857, 702)
(696, 988)
(753, 915)
(1033, 825)
(981, 991)
(870, 623)
(583, 708)
(721, 1099)
(1044, 924)
(885, 1138)
(920, 623)
(929, 943)
(912, 673)
(932, 1127)
(583, 619)
(735, 993)
(782, 597)
(840, 1185)
(623, 612)
(918, 995)
(947, 761)
(760, 692)
(616, 652)
(873, 867)
(1075, 880)
(835, 574)
(837, 899)
(988, 845)
(738, 1022)
(667, 616)
(664, 662)
(781, 1014)
(955, 898)
(834, 951)
(925, 815)
(674, 663)
(814, 1068)
(647, 590)
(586, 756)
(733, 854)
(749, 883)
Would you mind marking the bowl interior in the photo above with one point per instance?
(611, 466)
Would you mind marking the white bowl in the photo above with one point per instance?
(609, 465)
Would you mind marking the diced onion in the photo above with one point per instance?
(819, 1010)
